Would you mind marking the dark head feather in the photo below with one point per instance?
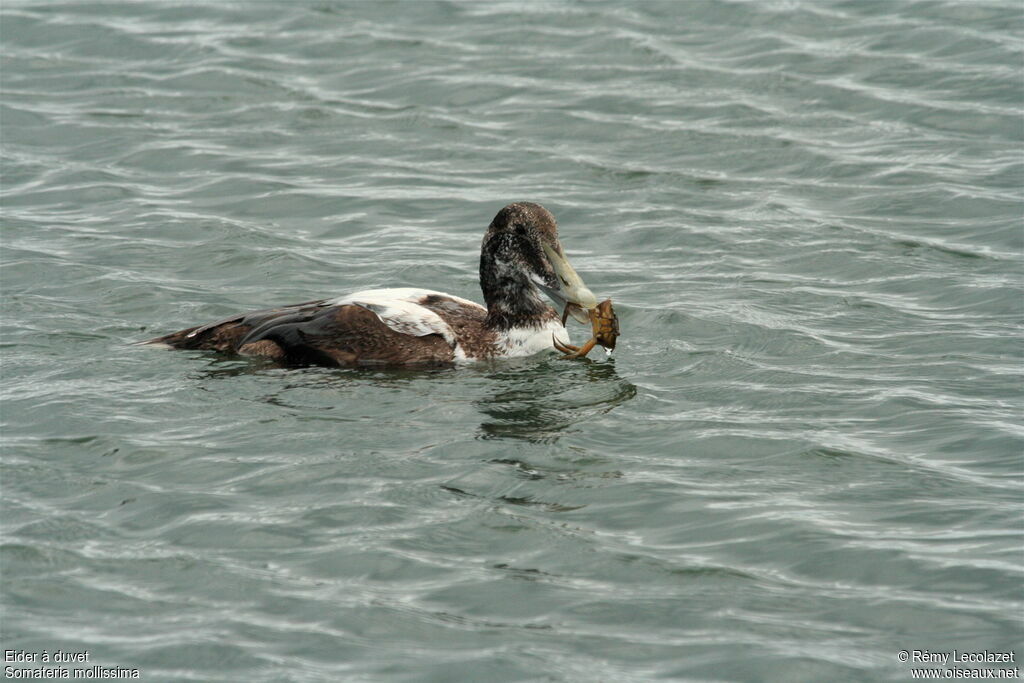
(511, 257)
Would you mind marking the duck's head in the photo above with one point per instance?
(520, 258)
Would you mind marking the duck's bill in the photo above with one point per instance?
(571, 291)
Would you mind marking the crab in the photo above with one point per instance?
(605, 325)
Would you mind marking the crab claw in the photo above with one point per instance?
(577, 312)
(571, 351)
(564, 348)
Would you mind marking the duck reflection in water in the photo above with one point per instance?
(542, 403)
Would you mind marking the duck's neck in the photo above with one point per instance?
(512, 299)
(511, 306)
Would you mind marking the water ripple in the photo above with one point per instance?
(806, 446)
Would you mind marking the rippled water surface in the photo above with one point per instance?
(804, 457)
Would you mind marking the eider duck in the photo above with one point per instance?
(520, 258)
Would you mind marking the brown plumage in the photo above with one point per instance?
(315, 333)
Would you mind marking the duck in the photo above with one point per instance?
(521, 262)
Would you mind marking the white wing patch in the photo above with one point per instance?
(400, 310)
